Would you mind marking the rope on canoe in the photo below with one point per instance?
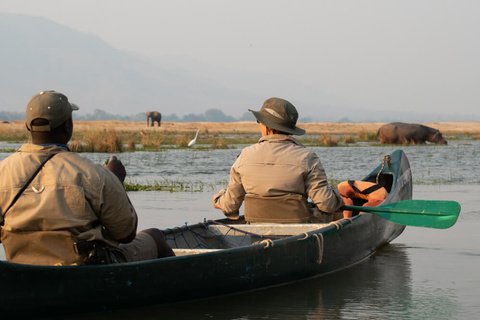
(386, 159)
(268, 243)
(336, 224)
(319, 238)
(306, 236)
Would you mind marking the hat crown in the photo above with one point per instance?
(49, 105)
(279, 114)
(280, 111)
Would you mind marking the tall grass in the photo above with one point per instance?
(220, 144)
(328, 140)
(126, 136)
(182, 141)
(367, 136)
(12, 135)
(349, 139)
(131, 145)
(98, 141)
(150, 140)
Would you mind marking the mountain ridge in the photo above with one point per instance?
(41, 54)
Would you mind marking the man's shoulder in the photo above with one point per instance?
(75, 162)
(285, 146)
(80, 160)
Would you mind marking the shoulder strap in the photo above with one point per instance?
(28, 182)
(369, 190)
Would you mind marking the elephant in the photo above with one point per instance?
(155, 116)
(401, 133)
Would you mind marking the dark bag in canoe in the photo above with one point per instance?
(95, 252)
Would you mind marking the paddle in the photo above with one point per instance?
(441, 214)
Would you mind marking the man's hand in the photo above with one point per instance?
(116, 166)
(215, 196)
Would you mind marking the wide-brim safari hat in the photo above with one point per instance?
(279, 114)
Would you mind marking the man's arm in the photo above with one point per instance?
(117, 208)
(230, 200)
(326, 197)
(116, 166)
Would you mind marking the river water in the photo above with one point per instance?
(423, 274)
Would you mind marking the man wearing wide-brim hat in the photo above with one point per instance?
(276, 176)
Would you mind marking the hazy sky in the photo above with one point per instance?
(417, 55)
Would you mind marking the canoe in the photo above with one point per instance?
(214, 258)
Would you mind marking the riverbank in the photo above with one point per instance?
(118, 136)
(246, 127)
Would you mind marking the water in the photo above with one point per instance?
(455, 163)
(424, 274)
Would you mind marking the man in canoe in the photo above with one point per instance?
(276, 176)
(58, 208)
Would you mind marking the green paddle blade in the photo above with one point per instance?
(441, 214)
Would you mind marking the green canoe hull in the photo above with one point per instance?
(43, 291)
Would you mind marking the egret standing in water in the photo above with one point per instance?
(191, 143)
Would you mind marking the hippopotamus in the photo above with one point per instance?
(399, 132)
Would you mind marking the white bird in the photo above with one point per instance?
(191, 143)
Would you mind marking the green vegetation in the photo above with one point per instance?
(172, 186)
(367, 136)
(97, 141)
(330, 140)
(118, 140)
(14, 137)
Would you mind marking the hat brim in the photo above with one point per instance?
(271, 124)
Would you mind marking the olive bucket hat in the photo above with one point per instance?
(279, 114)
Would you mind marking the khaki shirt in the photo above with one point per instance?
(70, 199)
(276, 166)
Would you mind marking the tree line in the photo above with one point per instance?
(210, 115)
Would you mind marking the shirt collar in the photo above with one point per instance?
(279, 138)
(53, 144)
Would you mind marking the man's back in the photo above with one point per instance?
(275, 166)
(63, 204)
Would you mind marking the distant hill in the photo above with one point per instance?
(37, 54)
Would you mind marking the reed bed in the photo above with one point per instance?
(368, 136)
(98, 141)
(171, 186)
(328, 140)
(184, 186)
(121, 136)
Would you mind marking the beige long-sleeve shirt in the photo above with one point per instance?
(276, 166)
(70, 199)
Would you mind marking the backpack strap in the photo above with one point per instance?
(369, 190)
(28, 183)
